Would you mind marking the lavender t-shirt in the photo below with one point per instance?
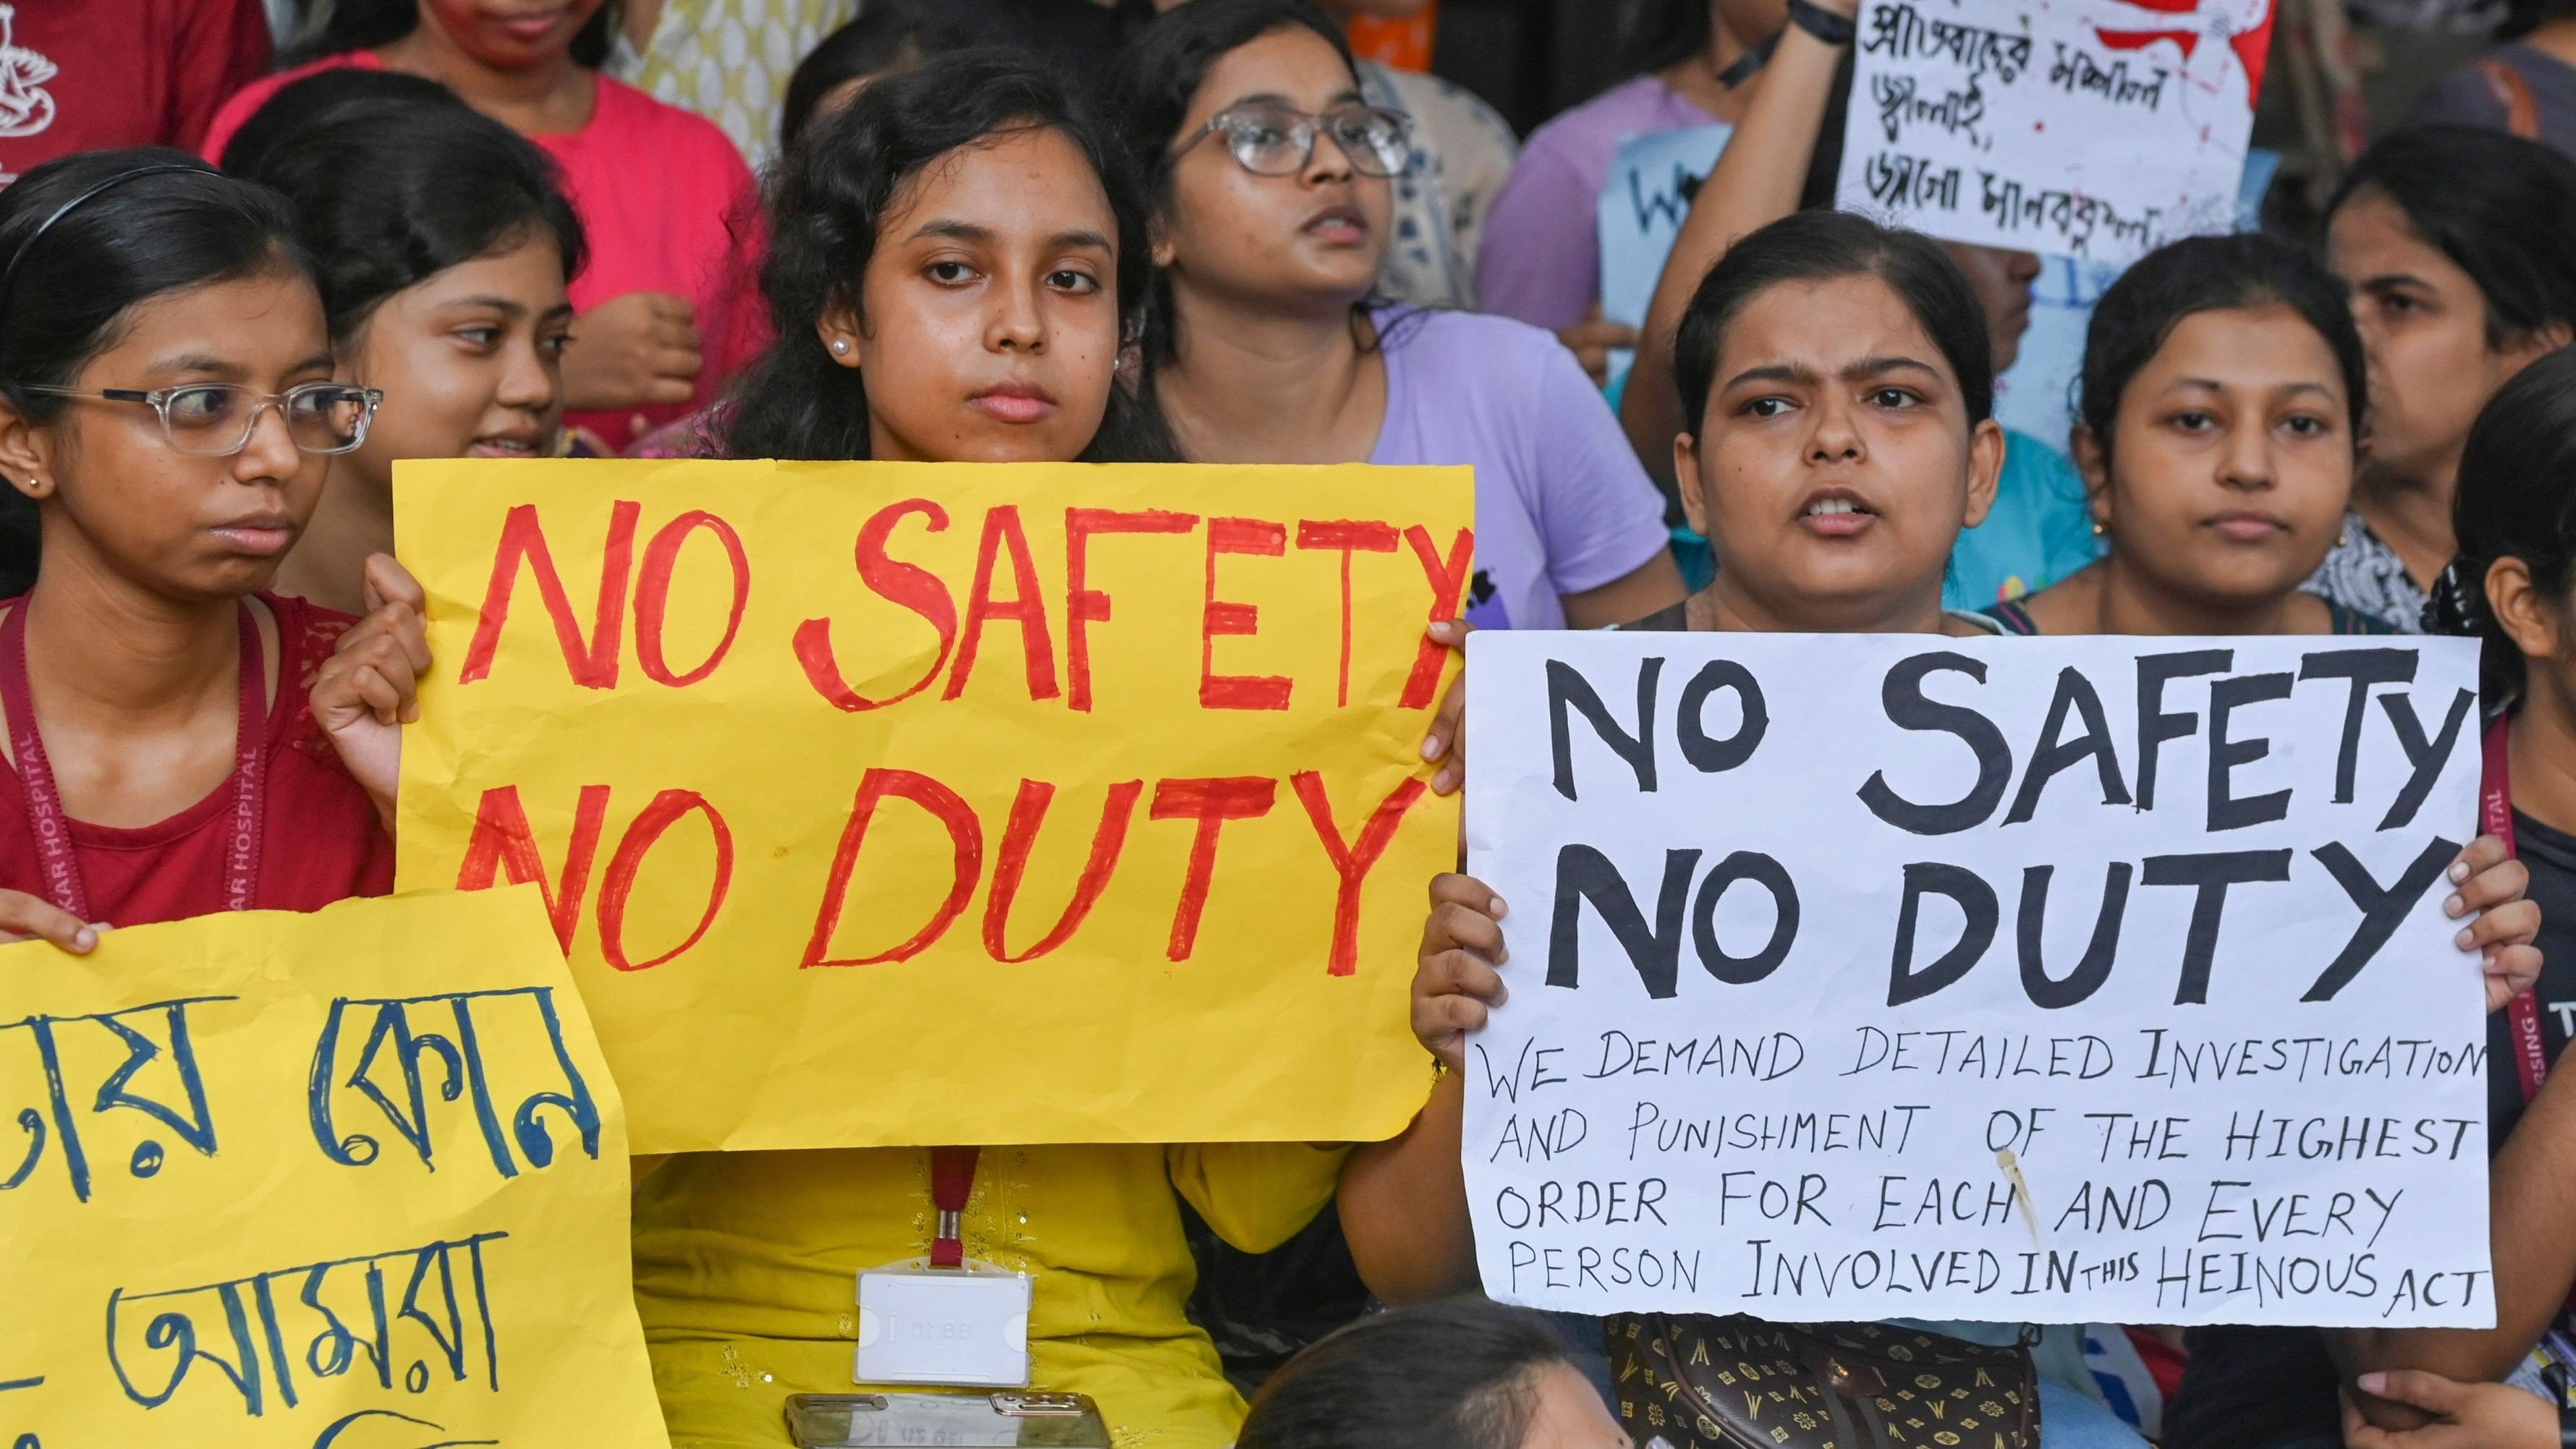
(1541, 258)
(1562, 506)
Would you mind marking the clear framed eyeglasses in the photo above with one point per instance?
(1270, 139)
(215, 419)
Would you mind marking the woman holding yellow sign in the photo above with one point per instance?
(956, 262)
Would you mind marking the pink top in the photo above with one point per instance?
(668, 206)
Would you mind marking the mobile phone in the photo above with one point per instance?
(1011, 1419)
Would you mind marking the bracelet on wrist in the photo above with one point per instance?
(1821, 23)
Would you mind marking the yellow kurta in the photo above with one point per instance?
(746, 1269)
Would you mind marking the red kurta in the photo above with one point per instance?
(320, 840)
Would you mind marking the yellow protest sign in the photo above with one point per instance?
(886, 804)
(349, 1180)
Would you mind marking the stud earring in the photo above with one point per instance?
(840, 346)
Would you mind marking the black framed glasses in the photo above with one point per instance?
(215, 419)
(1269, 139)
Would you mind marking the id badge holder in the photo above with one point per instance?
(966, 1326)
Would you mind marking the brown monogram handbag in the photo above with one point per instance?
(1741, 1383)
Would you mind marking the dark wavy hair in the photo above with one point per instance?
(390, 186)
(69, 289)
(1821, 246)
(829, 194)
(1159, 75)
(2503, 209)
(349, 25)
(2516, 499)
(1460, 1374)
(2210, 274)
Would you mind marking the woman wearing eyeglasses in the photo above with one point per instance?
(1271, 195)
(167, 403)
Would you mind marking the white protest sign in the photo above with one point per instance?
(2093, 128)
(2044, 980)
(1653, 180)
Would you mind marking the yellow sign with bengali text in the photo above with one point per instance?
(888, 804)
(348, 1180)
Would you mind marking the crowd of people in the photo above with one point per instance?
(1024, 232)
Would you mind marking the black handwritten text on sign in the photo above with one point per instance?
(2011, 979)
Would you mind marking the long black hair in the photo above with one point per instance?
(2516, 499)
(1460, 1374)
(2503, 209)
(1821, 246)
(829, 194)
(85, 238)
(2210, 274)
(1158, 77)
(349, 25)
(388, 189)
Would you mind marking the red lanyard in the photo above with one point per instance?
(952, 1181)
(2522, 1014)
(2495, 814)
(61, 864)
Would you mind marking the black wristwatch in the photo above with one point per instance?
(1821, 23)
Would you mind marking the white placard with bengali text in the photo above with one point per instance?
(2042, 980)
(2090, 128)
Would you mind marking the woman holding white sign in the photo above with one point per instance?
(1839, 376)
(1843, 382)
(1784, 157)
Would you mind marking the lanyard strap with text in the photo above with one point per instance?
(60, 862)
(2522, 1014)
(952, 1181)
(2495, 816)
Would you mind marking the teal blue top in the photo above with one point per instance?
(2038, 532)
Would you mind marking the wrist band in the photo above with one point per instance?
(1821, 23)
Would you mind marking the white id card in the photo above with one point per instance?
(965, 1326)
